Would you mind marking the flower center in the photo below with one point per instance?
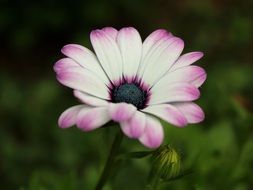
(130, 93)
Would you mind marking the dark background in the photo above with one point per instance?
(36, 155)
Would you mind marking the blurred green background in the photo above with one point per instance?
(36, 155)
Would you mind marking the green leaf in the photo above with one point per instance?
(135, 155)
(180, 175)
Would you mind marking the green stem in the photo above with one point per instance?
(153, 180)
(110, 161)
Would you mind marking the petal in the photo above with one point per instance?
(121, 111)
(160, 59)
(85, 58)
(159, 38)
(154, 38)
(130, 45)
(192, 112)
(135, 126)
(187, 59)
(92, 118)
(108, 53)
(192, 74)
(83, 80)
(176, 92)
(153, 134)
(168, 113)
(68, 117)
(89, 100)
(64, 63)
(112, 32)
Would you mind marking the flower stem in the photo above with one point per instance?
(153, 180)
(110, 160)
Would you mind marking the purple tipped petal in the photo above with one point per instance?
(85, 58)
(160, 58)
(175, 92)
(110, 31)
(191, 111)
(130, 45)
(68, 117)
(153, 134)
(79, 53)
(108, 53)
(92, 118)
(168, 113)
(186, 59)
(154, 38)
(64, 64)
(135, 126)
(121, 111)
(192, 74)
(89, 99)
(83, 80)
(199, 79)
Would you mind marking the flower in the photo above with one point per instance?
(131, 82)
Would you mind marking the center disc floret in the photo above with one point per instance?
(129, 93)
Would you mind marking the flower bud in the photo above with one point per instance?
(166, 163)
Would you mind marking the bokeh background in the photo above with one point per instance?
(36, 155)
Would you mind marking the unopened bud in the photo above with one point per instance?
(167, 162)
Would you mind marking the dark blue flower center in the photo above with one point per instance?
(129, 93)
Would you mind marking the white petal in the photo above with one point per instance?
(85, 58)
(153, 134)
(92, 118)
(135, 126)
(65, 63)
(158, 38)
(121, 111)
(168, 113)
(154, 38)
(192, 111)
(176, 92)
(130, 45)
(160, 59)
(192, 74)
(108, 53)
(68, 117)
(112, 32)
(89, 99)
(83, 80)
(186, 59)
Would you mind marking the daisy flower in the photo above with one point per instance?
(131, 82)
